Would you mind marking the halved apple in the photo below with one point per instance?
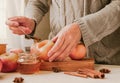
(41, 49)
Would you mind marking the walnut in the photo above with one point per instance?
(18, 80)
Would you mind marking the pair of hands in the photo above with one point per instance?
(65, 40)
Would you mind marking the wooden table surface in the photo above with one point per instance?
(51, 77)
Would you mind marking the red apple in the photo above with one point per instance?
(0, 65)
(9, 62)
(42, 49)
(16, 50)
(78, 52)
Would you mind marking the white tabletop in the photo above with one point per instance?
(51, 77)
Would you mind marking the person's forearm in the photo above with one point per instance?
(96, 26)
(36, 9)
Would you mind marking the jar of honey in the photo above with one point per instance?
(28, 63)
(2, 48)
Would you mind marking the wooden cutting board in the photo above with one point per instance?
(71, 65)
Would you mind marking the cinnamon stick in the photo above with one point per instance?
(100, 75)
(76, 74)
(91, 73)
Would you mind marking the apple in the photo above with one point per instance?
(16, 50)
(42, 49)
(78, 52)
(34, 49)
(8, 62)
(0, 65)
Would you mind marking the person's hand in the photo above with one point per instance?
(20, 22)
(65, 41)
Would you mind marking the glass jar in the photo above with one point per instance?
(2, 48)
(28, 63)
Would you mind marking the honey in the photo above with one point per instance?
(28, 68)
(2, 48)
(28, 64)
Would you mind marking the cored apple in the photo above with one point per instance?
(9, 62)
(78, 52)
(41, 49)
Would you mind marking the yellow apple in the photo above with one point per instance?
(78, 52)
(9, 62)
